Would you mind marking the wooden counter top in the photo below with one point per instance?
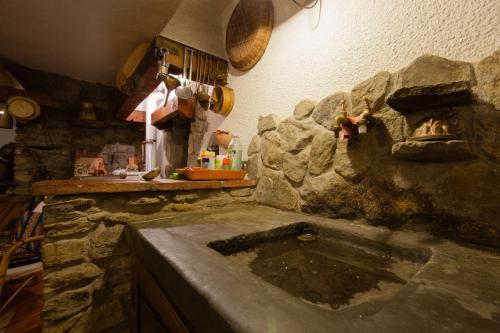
(62, 187)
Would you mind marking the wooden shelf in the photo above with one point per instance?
(59, 187)
(162, 116)
(432, 151)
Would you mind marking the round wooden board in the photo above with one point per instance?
(248, 32)
(23, 108)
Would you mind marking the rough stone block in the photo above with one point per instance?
(432, 151)
(181, 207)
(98, 318)
(241, 192)
(70, 205)
(328, 108)
(65, 277)
(67, 303)
(267, 123)
(56, 217)
(254, 146)
(295, 166)
(374, 89)
(274, 190)
(65, 251)
(488, 79)
(185, 197)
(144, 205)
(104, 241)
(271, 150)
(430, 82)
(295, 135)
(303, 109)
(122, 218)
(486, 129)
(216, 199)
(346, 165)
(61, 229)
(98, 216)
(322, 150)
(254, 167)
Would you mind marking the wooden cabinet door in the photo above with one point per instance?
(152, 311)
(148, 321)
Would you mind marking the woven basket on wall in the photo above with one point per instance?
(248, 32)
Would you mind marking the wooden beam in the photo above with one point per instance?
(137, 116)
(146, 84)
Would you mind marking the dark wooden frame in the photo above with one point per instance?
(151, 309)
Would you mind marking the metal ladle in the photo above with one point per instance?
(185, 92)
(170, 81)
(203, 96)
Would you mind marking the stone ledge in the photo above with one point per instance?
(61, 187)
(432, 151)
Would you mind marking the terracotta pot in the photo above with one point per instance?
(223, 138)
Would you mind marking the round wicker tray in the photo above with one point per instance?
(248, 32)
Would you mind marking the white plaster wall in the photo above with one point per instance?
(352, 41)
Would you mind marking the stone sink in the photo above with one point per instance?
(322, 266)
(259, 269)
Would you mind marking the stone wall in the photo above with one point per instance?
(451, 187)
(86, 256)
(47, 145)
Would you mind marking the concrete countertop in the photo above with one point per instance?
(106, 185)
(457, 290)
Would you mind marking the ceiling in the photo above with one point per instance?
(201, 24)
(88, 40)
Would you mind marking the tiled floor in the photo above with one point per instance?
(27, 306)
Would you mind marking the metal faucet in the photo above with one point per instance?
(364, 117)
(343, 119)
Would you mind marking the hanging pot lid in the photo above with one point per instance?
(23, 108)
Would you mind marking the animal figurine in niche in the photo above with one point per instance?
(435, 130)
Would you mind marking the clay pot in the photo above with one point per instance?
(223, 138)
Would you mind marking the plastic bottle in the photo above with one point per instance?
(235, 151)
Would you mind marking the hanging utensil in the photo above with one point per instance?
(184, 92)
(170, 81)
(191, 70)
(202, 75)
(197, 68)
(211, 102)
(203, 96)
(222, 97)
(186, 106)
